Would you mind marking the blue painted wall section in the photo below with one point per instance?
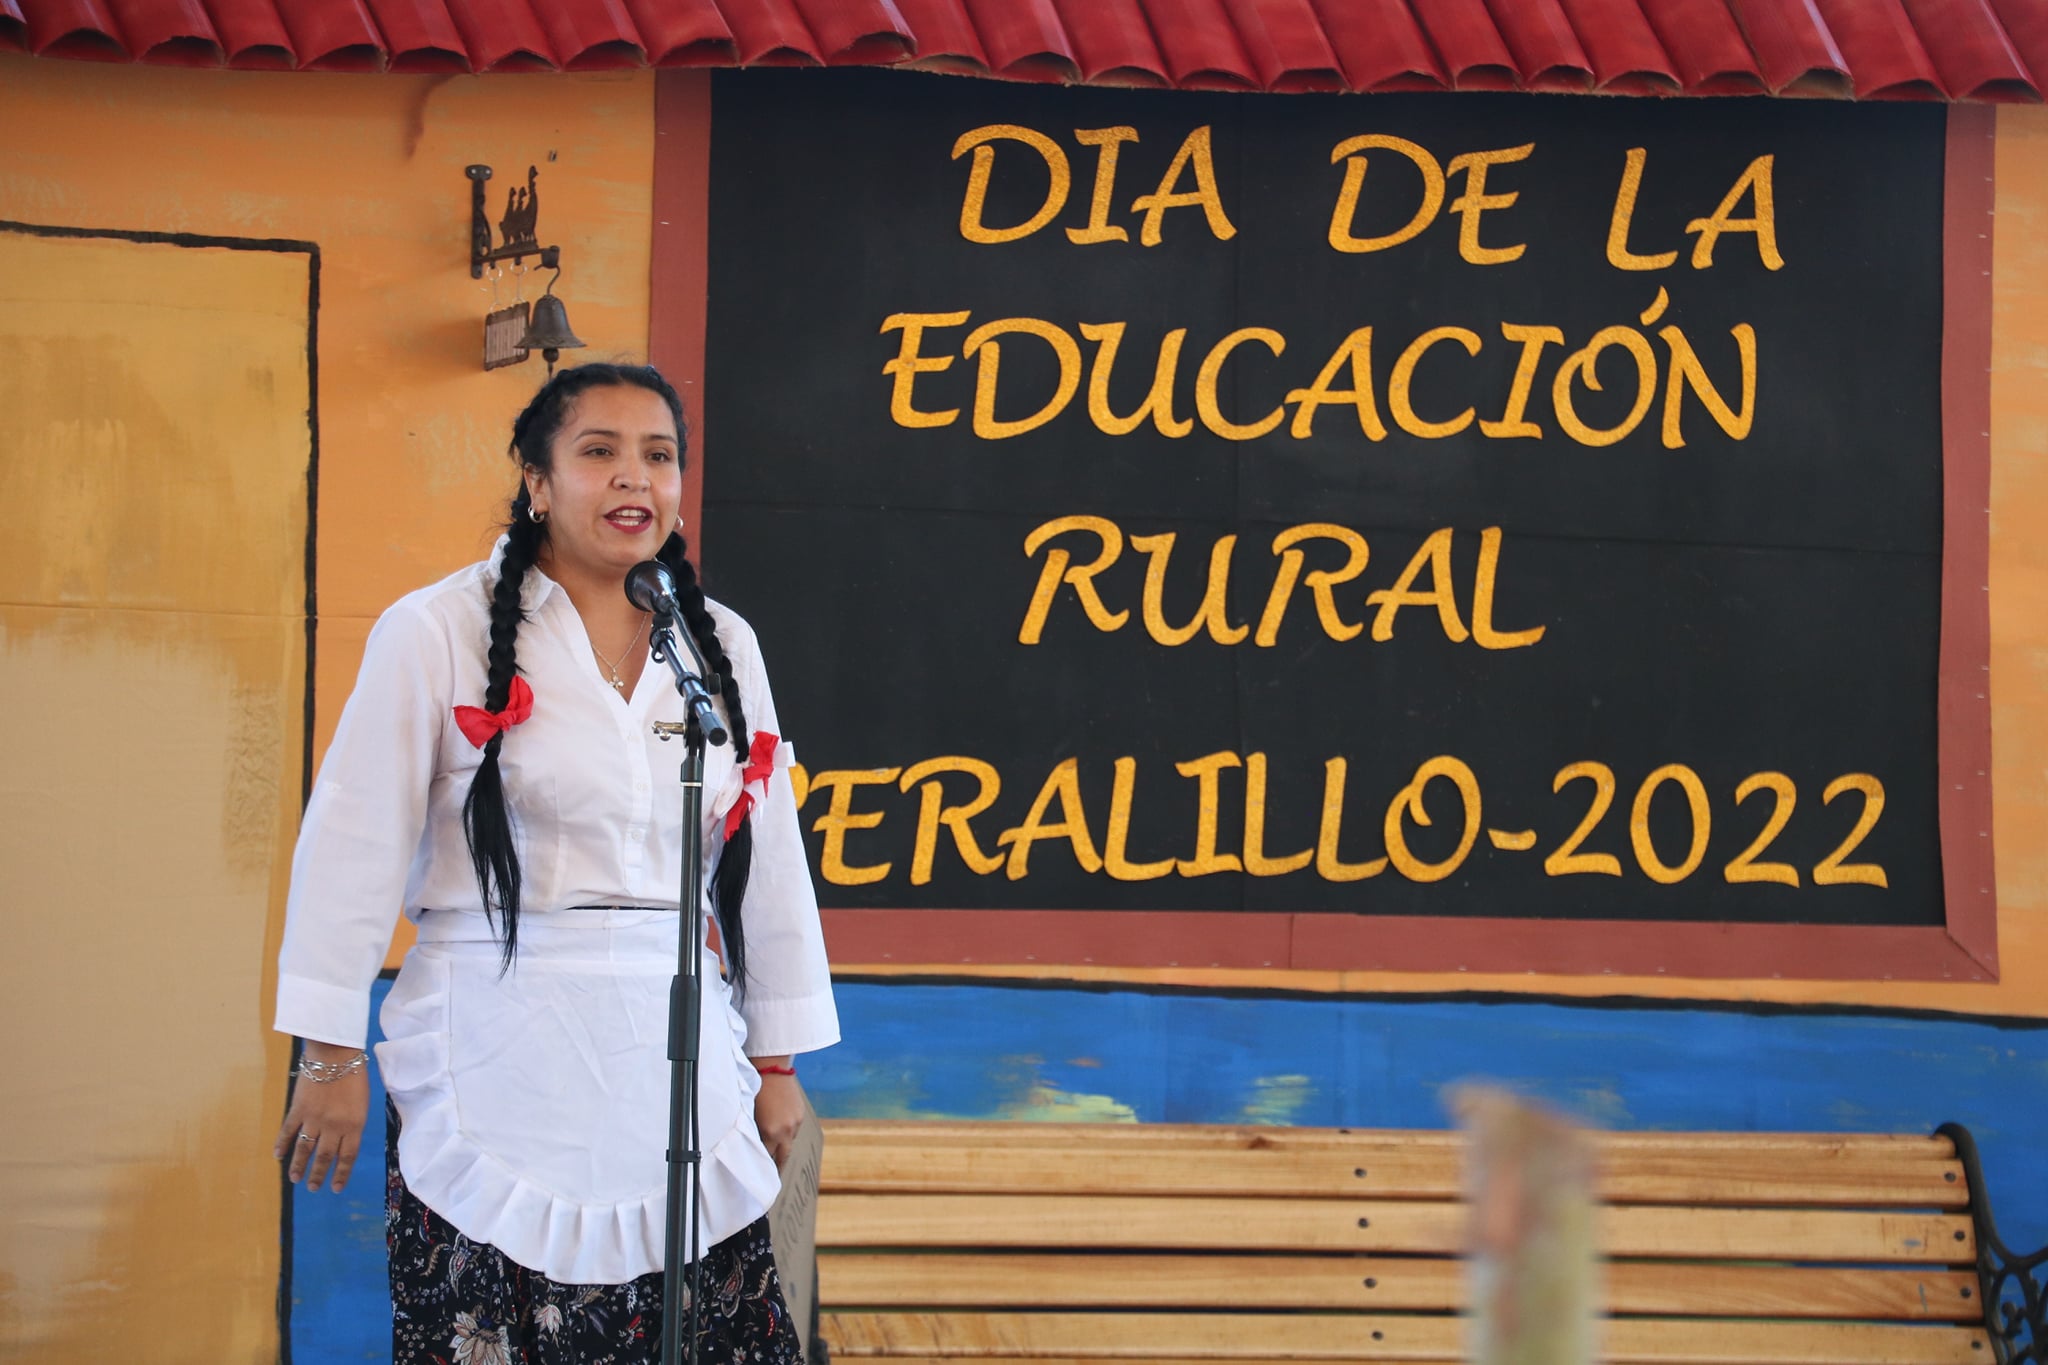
(1062, 1054)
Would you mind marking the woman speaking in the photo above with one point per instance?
(496, 776)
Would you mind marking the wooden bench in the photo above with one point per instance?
(1003, 1242)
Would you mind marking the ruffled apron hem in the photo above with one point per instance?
(570, 1240)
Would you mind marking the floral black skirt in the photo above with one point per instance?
(458, 1302)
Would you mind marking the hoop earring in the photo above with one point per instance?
(533, 516)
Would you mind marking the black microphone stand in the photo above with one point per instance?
(686, 993)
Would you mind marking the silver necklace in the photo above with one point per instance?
(612, 666)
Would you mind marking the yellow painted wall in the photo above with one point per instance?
(138, 1201)
(152, 683)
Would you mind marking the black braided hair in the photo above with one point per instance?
(736, 862)
(485, 821)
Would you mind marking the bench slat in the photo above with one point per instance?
(1219, 1224)
(1358, 1283)
(1376, 1337)
(925, 1134)
(1738, 1177)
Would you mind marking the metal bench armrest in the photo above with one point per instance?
(2015, 1287)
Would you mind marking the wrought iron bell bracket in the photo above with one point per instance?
(518, 234)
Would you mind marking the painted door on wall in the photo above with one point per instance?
(155, 446)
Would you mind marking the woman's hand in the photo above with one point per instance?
(778, 1109)
(323, 1126)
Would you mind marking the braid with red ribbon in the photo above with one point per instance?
(735, 864)
(485, 820)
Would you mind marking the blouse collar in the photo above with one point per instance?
(537, 588)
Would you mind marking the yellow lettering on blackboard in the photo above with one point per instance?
(1082, 578)
(1256, 863)
(1345, 214)
(977, 141)
(1206, 404)
(1410, 803)
(1475, 201)
(1582, 365)
(1207, 772)
(981, 343)
(839, 817)
(1158, 404)
(1435, 556)
(1114, 848)
(1512, 423)
(1215, 596)
(1106, 141)
(1194, 154)
(1400, 382)
(1755, 181)
(1618, 254)
(1483, 632)
(1063, 785)
(1687, 372)
(1321, 582)
(908, 365)
(1355, 352)
(1329, 866)
(934, 812)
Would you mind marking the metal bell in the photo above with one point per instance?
(548, 330)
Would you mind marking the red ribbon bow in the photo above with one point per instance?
(760, 763)
(478, 725)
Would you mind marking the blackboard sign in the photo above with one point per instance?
(1447, 506)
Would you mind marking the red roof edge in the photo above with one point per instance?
(1381, 45)
(169, 32)
(79, 29)
(771, 33)
(421, 35)
(1883, 53)
(691, 33)
(1022, 39)
(1705, 46)
(1285, 43)
(859, 32)
(252, 35)
(591, 35)
(1793, 48)
(1627, 58)
(1112, 42)
(943, 32)
(2026, 23)
(337, 35)
(1985, 51)
(1546, 52)
(1971, 50)
(955, 66)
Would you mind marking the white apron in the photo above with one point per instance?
(534, 1104)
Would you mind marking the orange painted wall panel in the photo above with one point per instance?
(158, 1221)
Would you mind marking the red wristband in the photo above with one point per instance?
(775, 1070)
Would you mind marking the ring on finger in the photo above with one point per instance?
(307, 1137)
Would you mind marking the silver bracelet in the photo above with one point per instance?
(321, 1073)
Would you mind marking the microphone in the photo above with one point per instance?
(651, 587)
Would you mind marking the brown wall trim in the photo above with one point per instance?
(679, 273)
(1392, 943)
(1969, 880)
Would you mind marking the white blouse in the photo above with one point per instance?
(534, 1102)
